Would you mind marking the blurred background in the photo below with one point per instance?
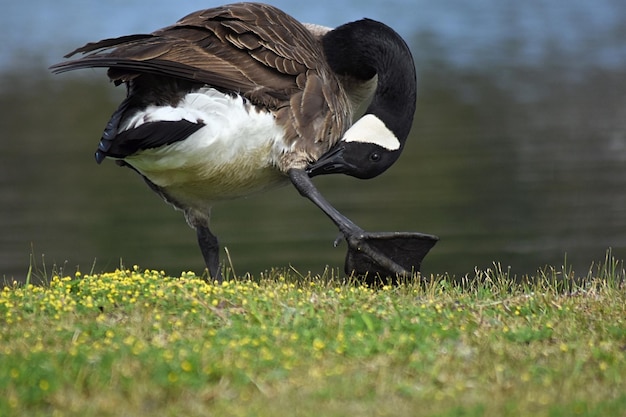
(517, 155)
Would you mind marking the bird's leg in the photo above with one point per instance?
(300, 179)
(210, 249)
(354, 235)
(208, 243)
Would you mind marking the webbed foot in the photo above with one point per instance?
(380, 255)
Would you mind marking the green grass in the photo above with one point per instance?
(139, 343)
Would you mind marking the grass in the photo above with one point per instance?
(139, 343)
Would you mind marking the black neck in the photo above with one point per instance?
(365, 48)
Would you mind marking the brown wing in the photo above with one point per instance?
(252, 49)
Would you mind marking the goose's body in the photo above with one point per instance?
(240, 98)
(236, 150)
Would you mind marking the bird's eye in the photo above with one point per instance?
(375, 157)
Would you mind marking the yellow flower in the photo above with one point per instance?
(318, 344)
(44, 385)
(186, 366)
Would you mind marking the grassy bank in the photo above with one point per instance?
(135, 343)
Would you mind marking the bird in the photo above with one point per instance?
(241, 98)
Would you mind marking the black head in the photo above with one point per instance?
(360, 50)
(360, 160)
(366, 150)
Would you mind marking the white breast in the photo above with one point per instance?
(233, 155)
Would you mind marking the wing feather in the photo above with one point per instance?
(247, 48)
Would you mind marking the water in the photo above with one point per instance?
(471, 33)
(517, 156)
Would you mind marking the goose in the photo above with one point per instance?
(240, 98)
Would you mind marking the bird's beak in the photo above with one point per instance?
(332, 162)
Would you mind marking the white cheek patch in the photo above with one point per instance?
(370, 129)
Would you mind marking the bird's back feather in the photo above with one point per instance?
(250, 49)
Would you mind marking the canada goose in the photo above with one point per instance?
(240, 98)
